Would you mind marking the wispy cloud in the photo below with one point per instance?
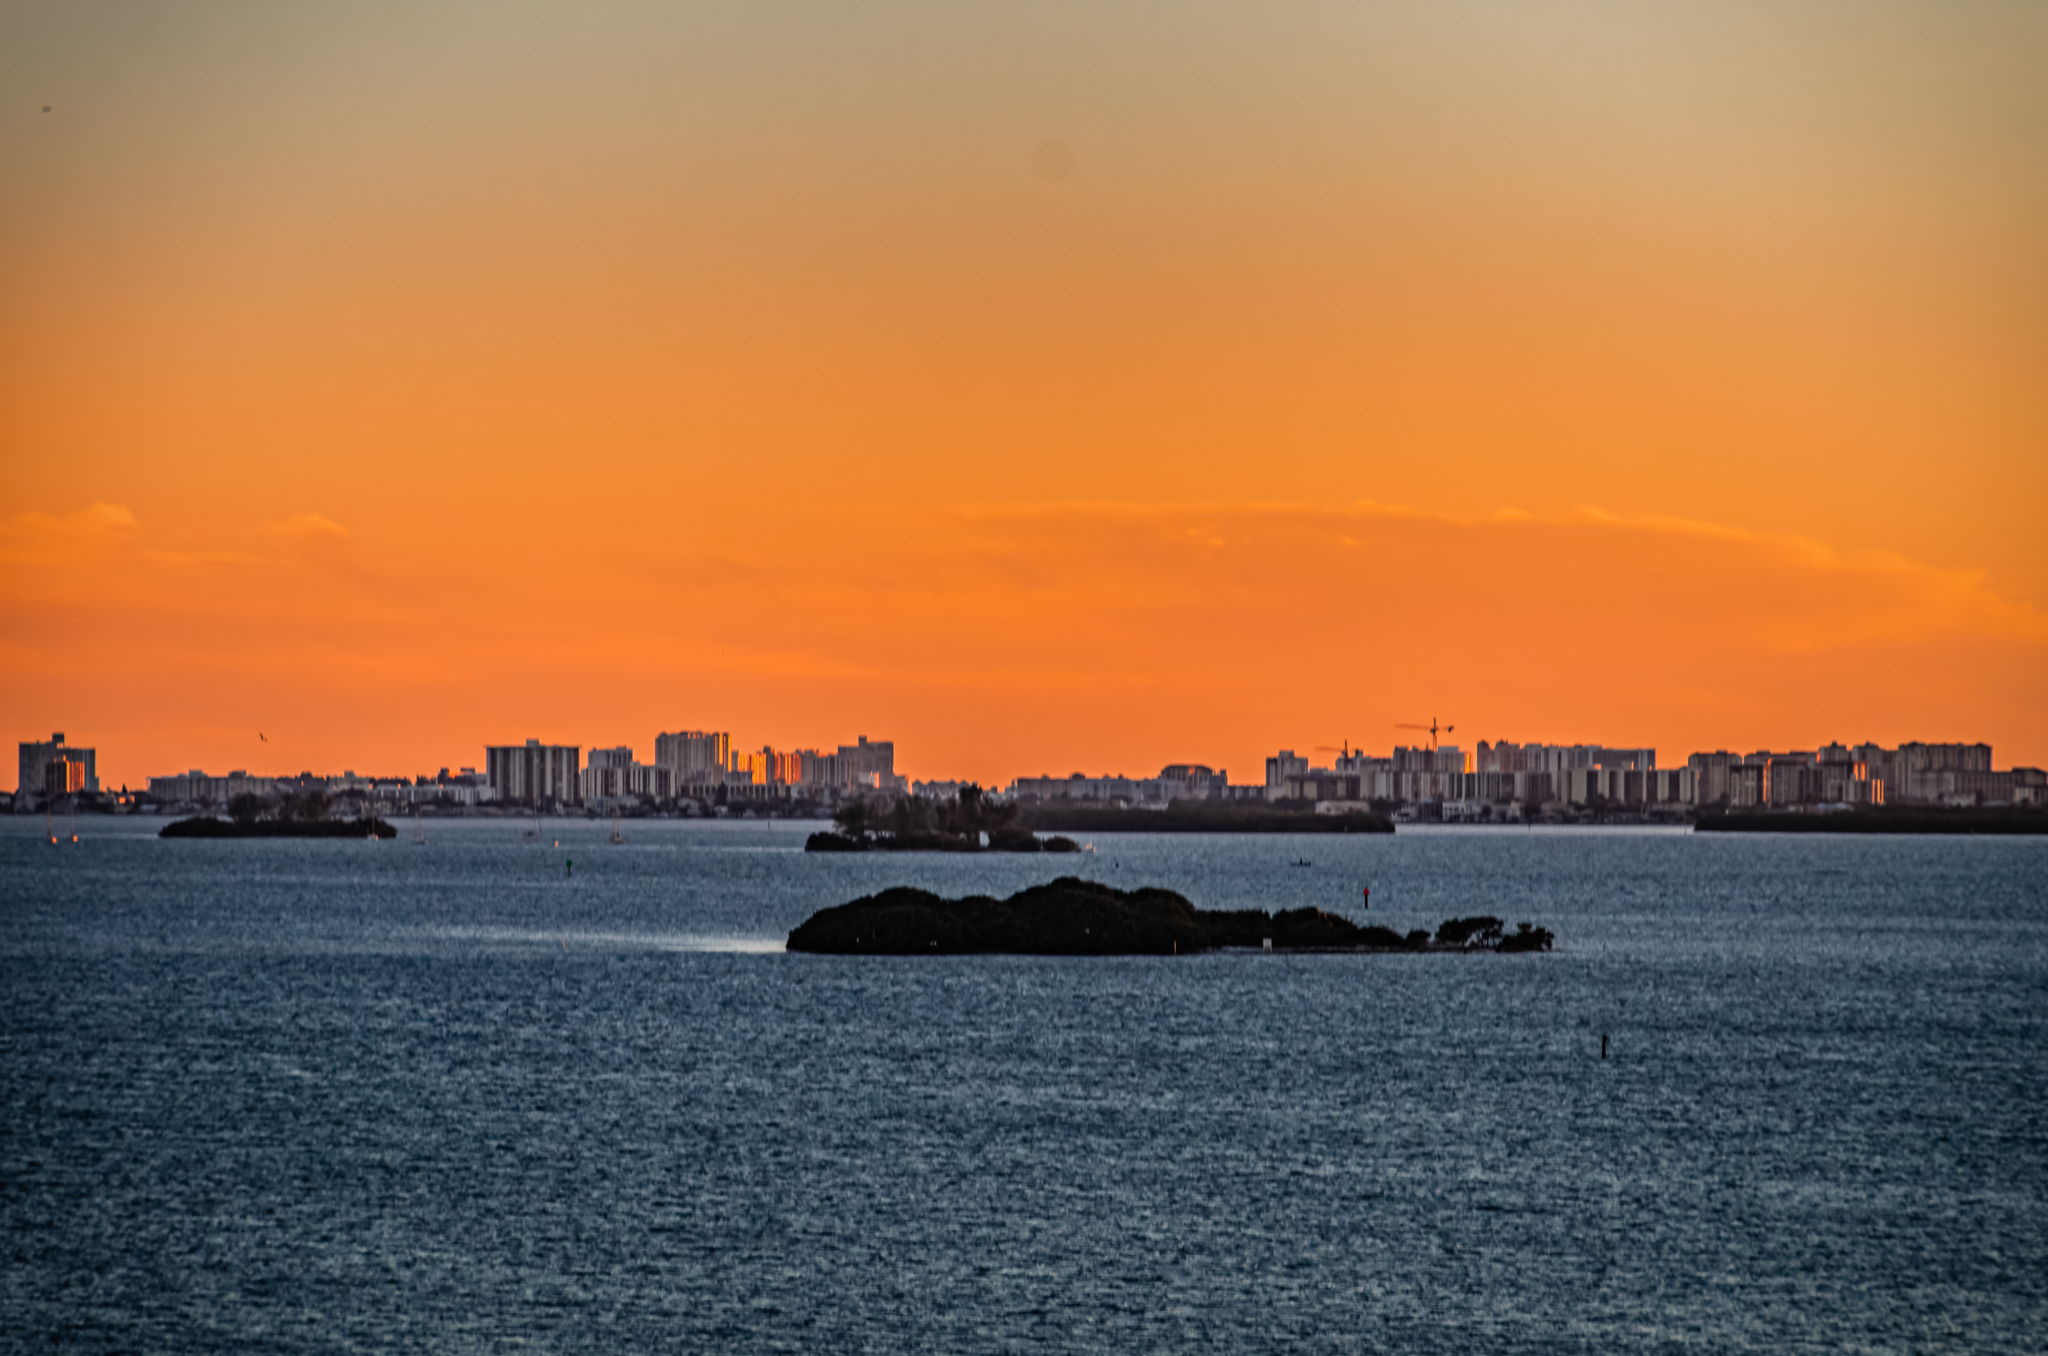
(32, 536)
(1881, 596)
(309, 526)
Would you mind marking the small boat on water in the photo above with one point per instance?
(1303, 861)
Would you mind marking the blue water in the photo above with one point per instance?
(336, 1096)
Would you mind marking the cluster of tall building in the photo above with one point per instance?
(1506, 772)
(688, 764)
(1596, 776)
(703, 766)
(1867, 774)
(699, 765)
(1538, 777)
(1176, 781)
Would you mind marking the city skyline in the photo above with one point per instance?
(699, 765)
(740, 755)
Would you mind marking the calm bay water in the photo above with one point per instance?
(333, 1096)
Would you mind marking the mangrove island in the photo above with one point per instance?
(296, 816)
(1073, 917)
(970, 822)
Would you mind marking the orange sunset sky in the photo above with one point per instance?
(1046, 386)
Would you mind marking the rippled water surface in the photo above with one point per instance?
(331, 1096)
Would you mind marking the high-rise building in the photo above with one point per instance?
(1194, 781)
(36, 757)
(611, 779)
(817, 769)
(1913, 771)
(1282, 765)
(1790, 781)
(695, 757)
(611, 774)
(1710, 782)
(1627, 786)
(534, 773)
(1441, 758)
(1508, 756)
(1786, 778)
(869, 764)
(63, 777)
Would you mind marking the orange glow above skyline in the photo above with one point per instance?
(1037, 389)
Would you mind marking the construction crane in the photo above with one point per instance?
(1433, 728)
(1343, 749)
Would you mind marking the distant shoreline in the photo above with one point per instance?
(1904, 820)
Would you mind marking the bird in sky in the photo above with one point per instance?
(262, 736)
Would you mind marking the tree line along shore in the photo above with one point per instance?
(973, 821)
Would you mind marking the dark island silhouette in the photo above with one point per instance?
(1012, 840)
(294, 816)
(975, 822)
(207, 826)
(970, 822)
(1073, 917)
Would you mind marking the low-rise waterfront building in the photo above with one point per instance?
(1113, 790)
(200, 788)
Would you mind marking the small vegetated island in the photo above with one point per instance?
(206, 826)
(971, 822)
(298, 816)
(974, 822)
(1073, 917)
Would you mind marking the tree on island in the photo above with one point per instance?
(305, 806)
(960, 822)
(974, 813)
(247, 807)
(854, 817)
(910, 815)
